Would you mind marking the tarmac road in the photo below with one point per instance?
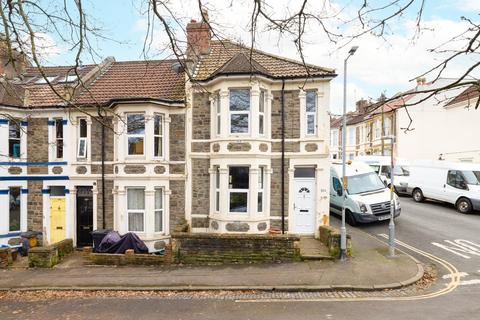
(431, 227)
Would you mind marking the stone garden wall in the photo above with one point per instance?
(208, 248)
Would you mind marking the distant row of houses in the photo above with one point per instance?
(443, 126)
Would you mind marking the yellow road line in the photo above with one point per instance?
(453, 274)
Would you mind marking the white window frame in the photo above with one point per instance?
(248, 113)
(311, 113)
(387, 127)
(19, 139)
(217, 188)
(82, 139)
(56, 139)
(247, 191)
(218, 114)
(20, 209)
(161, 210)
(136, 135)
(160, 135)
(142, 211)
(261, 188)
(261, 113)
(378, 129)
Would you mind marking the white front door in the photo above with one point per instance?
(304, 206)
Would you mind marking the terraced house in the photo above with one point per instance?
(226, 141)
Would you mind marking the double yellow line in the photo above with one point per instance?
(452, 271)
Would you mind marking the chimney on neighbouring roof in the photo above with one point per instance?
(198, 37)
(421, 81)
(362, 106)
(8, 68)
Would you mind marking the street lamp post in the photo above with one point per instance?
(391, 225)
(343, 229)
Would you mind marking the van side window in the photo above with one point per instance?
(336, 184)
(455, 179)
(386, 170)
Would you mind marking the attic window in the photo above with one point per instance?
(42, 80)
(68, 79)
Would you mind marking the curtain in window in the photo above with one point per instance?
(136, 199)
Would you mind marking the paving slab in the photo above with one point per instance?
(369, 268)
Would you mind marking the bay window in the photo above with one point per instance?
(136, 209)
(311, 112)
(135, 133)
(238, 189)
(158, 135)
(58, 138)
(239, 110)
(218, 110)
(14, 139)
(387, 127)
(158, 210)
(261, 186)
(82, 139)
(14, 211)
(217, 188)
(261, 113)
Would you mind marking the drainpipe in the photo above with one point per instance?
(102, 119)
(283, 155)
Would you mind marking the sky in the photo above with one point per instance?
(387, 64)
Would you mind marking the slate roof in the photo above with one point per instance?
(225, 54)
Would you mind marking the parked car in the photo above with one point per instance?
(382, 165)
(455, 183)
(367, 198)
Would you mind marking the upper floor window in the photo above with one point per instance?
(378, 129)
(311, 112)
(59, 138)
(135, 133)
(82, 138)
(261, 113)
(216, 102)
(158, 135)
(351, 136)
(239, 181)
(239, 110)
(387, 127)
(14, 139)
(217, 188)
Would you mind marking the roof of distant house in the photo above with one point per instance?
(469, 94)
(225, 56)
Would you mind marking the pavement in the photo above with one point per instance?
(368, 269)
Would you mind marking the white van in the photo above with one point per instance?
(455, 183)
(367, 199)
(382, 166)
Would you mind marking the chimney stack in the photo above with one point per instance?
(198, 37)
(362, 106)
(8, 68)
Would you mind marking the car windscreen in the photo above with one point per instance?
(401, 171)
(364, 183)
(375, 167)
(472, 177)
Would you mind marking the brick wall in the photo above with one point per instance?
(96, 140)
(35, 206)
(292, 115)
(177, 203)
(201, 116)
(200, 186)
(204, 248)
(37, 144)
(276, 188)
(108, 204)
(177, 137)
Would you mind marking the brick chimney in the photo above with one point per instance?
(8, 68)
(362, 105)
(198, 38)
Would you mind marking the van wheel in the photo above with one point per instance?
(350, 218)
(418, 195)
(464, 205)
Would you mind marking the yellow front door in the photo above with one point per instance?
(57, 219)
